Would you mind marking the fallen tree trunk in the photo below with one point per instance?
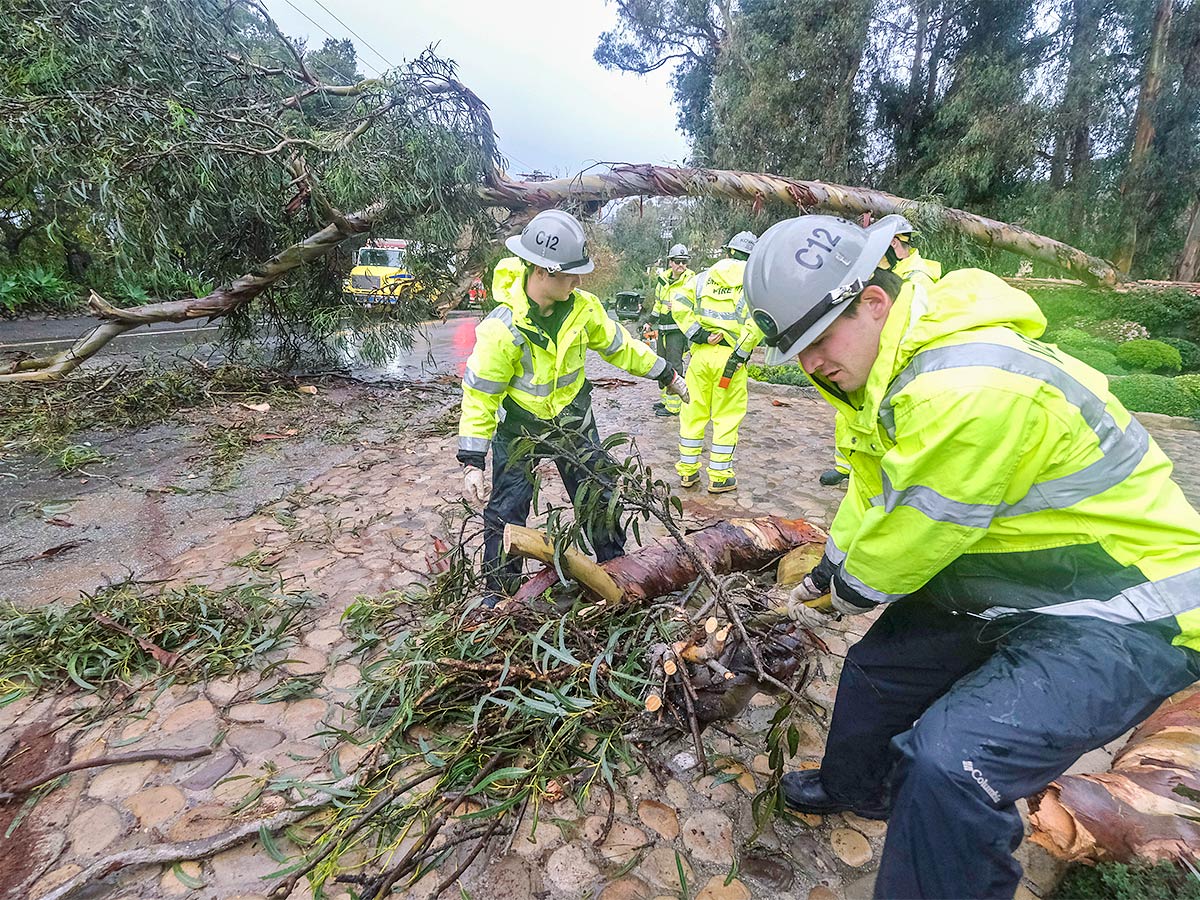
(664, 567)
(1146, 807)
(619, 181)
(809, 196)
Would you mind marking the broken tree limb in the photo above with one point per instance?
(198, 849)
(663, 567)
(851, 202)
(182, 754)
(529, 543)
(220, 302)
(1136, 810)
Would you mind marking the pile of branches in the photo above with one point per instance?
(470, 720)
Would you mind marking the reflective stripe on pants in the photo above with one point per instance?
(724, 407)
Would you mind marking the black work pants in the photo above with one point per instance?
(671, 346)
(512, 494)
(952, 720)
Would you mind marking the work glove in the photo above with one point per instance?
(845, 607)
(474, 489)
(678, 387)
(799, 610)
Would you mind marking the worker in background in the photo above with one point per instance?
(1037, 569)
(526, 372)
(714, 318)
(906, 261)
(671, 342)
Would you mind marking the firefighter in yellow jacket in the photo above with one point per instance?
(671, 342)
(1036, 568)
(713, 316)
(526, 372)
(906, 261)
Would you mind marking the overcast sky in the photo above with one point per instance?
(553, 106)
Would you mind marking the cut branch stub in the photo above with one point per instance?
(661, 568)
(1133, 811)
(529, 543)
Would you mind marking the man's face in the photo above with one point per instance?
(844, 354)
(900, 248)
(558, 285)
(678, 266)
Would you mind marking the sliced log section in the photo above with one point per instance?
(1133, 810)
(735, 545)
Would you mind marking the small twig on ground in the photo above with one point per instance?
(174, 755)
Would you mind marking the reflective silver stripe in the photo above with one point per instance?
(544, 390)
(617, 341)
(719, 465)
(835, 553)
(701, 284)
(1122, 450)
(716, 314)
(683, 299)
(660, 366)
(1057, 493)
(688, 460)
(723, 448)
(672, 327)
(865, 590)
(1115, 466)
(936, 506)
(692, 329)
(474, 444)
(483, 385)
(691, 442)
(996, 356)
(1146, 602)
(740, 312)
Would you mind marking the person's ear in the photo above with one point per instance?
(875, 301)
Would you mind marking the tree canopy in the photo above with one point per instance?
(1028, 111)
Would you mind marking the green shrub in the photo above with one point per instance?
(1190, 385)
(787, 374)
(1062, 304)
(1117, 881)
(1100, 360)
(1119, 330)
(1189, 353)
(1071, 339)
(1152, 393)
(1173, 311)
(37, 288)
(1149, 356)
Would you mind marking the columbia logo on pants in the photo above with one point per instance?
(969, 766)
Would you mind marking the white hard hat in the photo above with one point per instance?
(679, 252)
(804, 273)
(743, 241)
(896, 222)
(554, 240)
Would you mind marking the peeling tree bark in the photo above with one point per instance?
(1133, 810)
(619, 181)
(851, 202)
(736, 545)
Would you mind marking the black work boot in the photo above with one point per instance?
(833, 476)
(804, 793)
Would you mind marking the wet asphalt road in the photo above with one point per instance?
(440, 347)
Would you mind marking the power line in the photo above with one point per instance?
(365, 42)
(327, 34)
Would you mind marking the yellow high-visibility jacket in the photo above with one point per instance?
(999, 474)
(913, 267)
(665, 287)
(713, 303)
(916, 267)
(516, 360)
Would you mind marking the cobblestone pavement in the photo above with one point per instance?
(360, 517)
